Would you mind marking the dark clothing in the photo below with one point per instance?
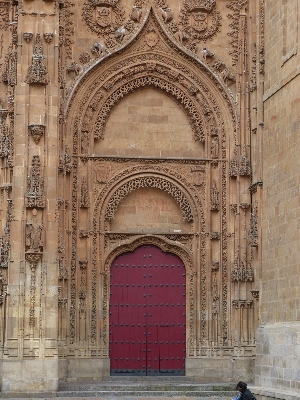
(246, 395)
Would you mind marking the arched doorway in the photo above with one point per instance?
(147, 327)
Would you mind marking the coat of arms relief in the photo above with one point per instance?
(103, 17)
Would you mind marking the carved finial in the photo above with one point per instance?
(37, 71)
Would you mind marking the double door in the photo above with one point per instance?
(147, 329)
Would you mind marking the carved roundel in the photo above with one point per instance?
(154, 182)
(103, 16)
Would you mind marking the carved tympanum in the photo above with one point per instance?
(149, 181)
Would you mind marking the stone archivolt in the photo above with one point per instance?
(209, 107)
(200, 187)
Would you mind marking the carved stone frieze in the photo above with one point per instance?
(239, 304)
(37, 71)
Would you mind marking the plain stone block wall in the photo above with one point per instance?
(220, 369)
(29, 376)
(83, 369)
(278, 354)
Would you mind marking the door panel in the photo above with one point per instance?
(147, 313)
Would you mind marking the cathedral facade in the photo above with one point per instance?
(149, 191)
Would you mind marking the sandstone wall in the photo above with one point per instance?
(278, 344)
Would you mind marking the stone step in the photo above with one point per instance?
(144, 385)
(149, 378)
(224, 395)
(134, 387)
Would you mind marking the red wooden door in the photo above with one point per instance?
(147, 313)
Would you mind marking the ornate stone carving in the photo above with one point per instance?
(103, 17)
(215, 236)
(84, 58)
(241, 272)
(66, 26)
(75, 68)
(214, 149)
(83, 264)
(72, 318)
(198, 175)
(253, 231)
(48, 37)
(34, 235)
(245, 166)
(206, 53)
(32, 291)
(85, 197)
(240, 166)
(62, 302)
(236, 7)
(6, 142)
(253, 187)
(28, 36)
(171, 88)
(214, 198)
(65, 161)
(234, 164)
(200, 19)
(9, 69)
(227, 76)
(37, 71)
(99, 50)
(149, 181)
(35, 194)
(255, 294)
(37, 131)
(238, 304)
(4, 15)
(215, 266)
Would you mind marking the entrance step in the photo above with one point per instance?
(154, 387)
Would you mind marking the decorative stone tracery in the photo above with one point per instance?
(149, 181)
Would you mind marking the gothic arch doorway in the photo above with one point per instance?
(147, 326)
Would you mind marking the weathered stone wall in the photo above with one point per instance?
(278, 345)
